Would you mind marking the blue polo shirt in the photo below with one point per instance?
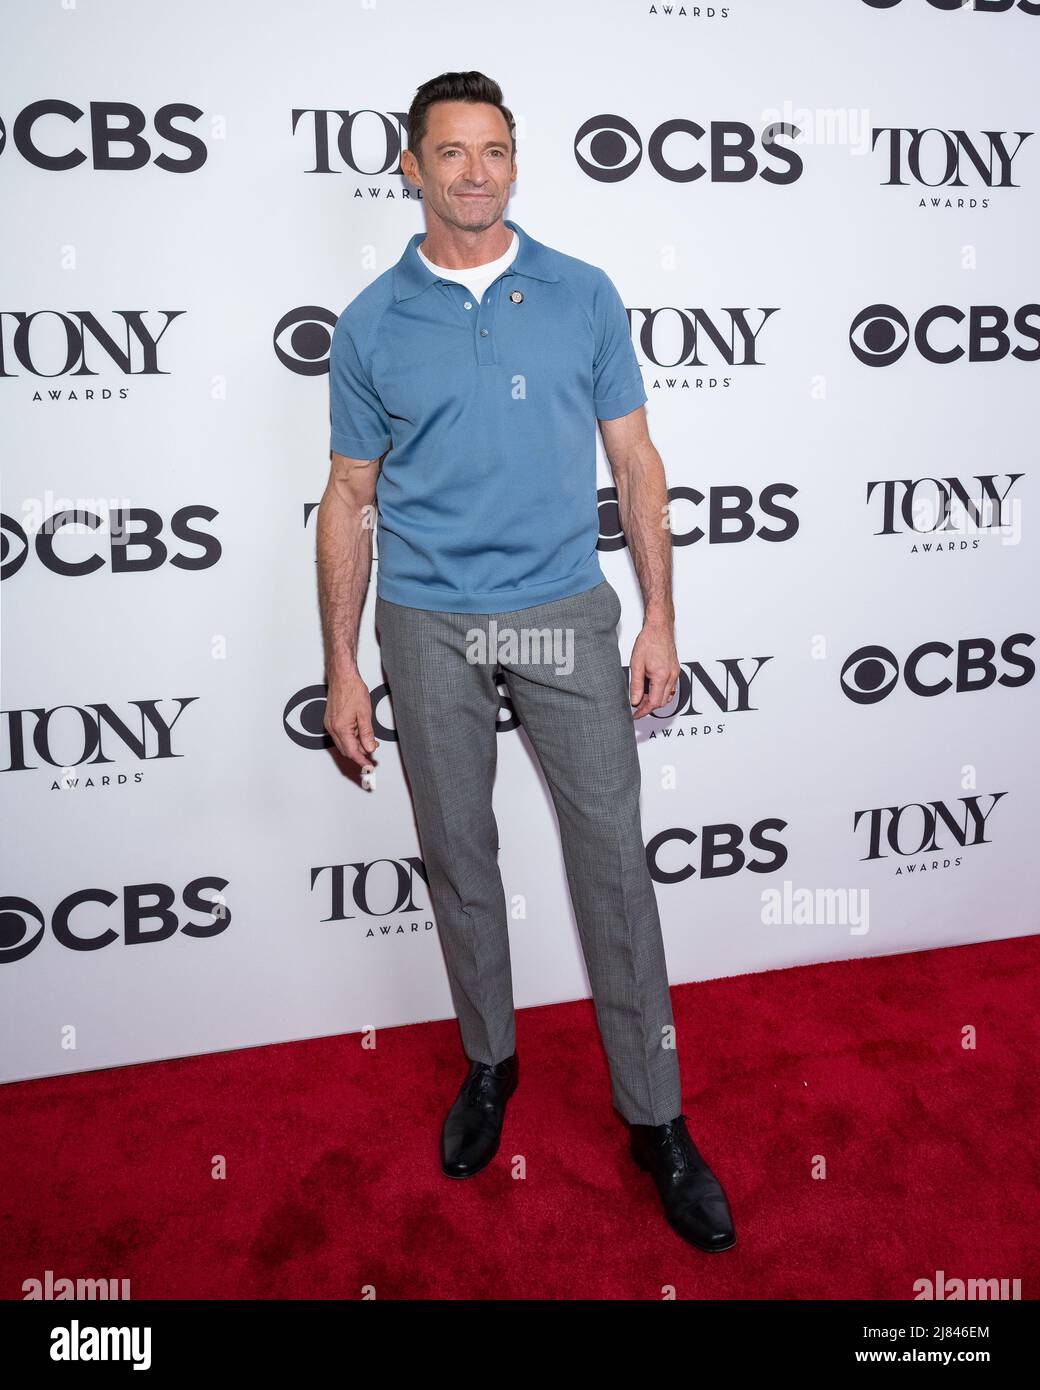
(487, 496)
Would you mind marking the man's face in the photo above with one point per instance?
(467, 164)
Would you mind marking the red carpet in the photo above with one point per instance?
(333, 1184)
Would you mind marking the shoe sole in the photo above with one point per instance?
(461, 1177)
(706, 1249)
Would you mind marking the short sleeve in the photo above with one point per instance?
(360, 427)
(617, 383)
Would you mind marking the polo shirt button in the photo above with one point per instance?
(483, 332)
(467, 305)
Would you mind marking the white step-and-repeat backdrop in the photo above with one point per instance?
(823, 216)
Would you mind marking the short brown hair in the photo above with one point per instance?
(454, 86)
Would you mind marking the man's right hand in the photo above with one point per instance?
(348, 719)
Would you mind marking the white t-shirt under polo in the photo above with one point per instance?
(476, 278)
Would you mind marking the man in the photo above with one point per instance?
(465, 383)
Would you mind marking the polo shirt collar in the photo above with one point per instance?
(412, 276)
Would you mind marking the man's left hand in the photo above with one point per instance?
(653, 657)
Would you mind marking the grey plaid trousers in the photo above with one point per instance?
(579, 720)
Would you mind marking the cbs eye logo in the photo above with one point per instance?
(883, 335)
(303, 718)
(869, 674)
(613, 148)
(303, 339)
(14, 546)
(17, 937)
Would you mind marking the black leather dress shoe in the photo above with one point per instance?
(693, 1199)
(473, 1126)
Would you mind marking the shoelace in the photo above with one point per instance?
(477, 1083)
(677, 1145)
